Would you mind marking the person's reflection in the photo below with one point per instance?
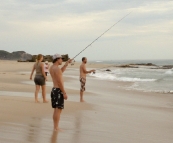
(34, 130)
(54, 137)
(78, 122)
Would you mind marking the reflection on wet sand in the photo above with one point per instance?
(78, 122)
(54, 137)
(34, 130)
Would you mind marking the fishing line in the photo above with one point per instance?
(101, 35)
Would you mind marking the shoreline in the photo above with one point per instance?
(20, 76)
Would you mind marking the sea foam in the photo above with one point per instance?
(169, 72)
(108, 76)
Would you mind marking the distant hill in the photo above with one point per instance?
(17, 55)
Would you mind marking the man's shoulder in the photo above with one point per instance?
(82, 65)
(54, 68)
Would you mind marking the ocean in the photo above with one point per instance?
(143, 78)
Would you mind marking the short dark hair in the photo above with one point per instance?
(54, 61)
(83, 58)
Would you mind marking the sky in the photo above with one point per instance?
(68, 26)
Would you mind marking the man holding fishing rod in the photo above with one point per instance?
(83, 73)
(83, 70)
(58, 93)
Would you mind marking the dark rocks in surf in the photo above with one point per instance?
(127, 66)
(108, 70)
(144, 64)
(163, 67)
(149, 65)
(168, 66)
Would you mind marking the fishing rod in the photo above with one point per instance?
(101, 35)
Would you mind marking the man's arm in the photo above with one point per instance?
(85, 71)
(66, 64)
(64, 67)
(58, 75)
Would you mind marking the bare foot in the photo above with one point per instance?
(45, 101)
(36, 101)
(82, 100)
(58, 130)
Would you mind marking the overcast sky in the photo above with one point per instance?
(68, 26)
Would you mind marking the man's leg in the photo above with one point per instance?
(44, 93)
(56, 118)
(37, 88)
(81, 96)
(82, 89)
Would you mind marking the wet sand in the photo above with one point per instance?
(111, 114)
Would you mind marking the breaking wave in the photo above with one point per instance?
(108, 76)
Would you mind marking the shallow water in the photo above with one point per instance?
(143, 79)
(148, 80)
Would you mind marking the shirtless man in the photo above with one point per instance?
(58, 93)
(83, 73)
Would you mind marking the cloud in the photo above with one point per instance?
(38, 24)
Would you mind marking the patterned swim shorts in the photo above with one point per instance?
(57, 98)
(82, 82)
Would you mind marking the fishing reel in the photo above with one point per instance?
(72, 62)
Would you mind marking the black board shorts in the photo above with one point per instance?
(57, 98)
(39, 80)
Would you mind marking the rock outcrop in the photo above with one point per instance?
(47, 58)
(17, 55)
(22, 56)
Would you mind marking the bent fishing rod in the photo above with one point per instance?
(101, 35)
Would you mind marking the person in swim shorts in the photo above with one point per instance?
(46, 67)
(83, 73)
(58, 93)
(40, 78)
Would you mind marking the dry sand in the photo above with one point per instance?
(111, 114)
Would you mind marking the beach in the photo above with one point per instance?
(110, 113)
